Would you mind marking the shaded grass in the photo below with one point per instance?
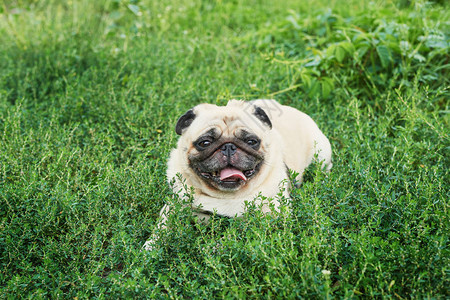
(90, 92)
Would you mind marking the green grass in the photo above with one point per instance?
(89, 95)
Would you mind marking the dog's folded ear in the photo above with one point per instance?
(184, 121)
(262, 116)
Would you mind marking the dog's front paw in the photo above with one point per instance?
(150, 244)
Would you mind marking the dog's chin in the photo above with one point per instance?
(236, 181)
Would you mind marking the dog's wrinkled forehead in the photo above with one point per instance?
(221, 124)
(226, 119)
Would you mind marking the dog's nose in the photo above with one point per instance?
(228, 149)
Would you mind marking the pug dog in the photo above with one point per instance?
(239, 152)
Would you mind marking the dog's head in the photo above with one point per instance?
(225, 146)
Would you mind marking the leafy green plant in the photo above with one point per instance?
(368, 53)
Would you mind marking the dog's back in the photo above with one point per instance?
(301, 136)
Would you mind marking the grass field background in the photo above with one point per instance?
(89, 95)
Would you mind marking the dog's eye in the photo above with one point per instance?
(204, 143)
(252, 142)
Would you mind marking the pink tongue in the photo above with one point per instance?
(232, 173)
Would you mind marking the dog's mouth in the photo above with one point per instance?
(229, 174)
(229, 178)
